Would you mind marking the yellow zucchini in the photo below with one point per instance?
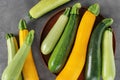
(76, 61)
(29, 68)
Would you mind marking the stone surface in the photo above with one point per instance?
(11, 11)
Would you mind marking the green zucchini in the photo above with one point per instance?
(44, 6)
(12, 48)
(53, 36)
(60, 53)
(108, 61)
(14, 68)
(93, 60)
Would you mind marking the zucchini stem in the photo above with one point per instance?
(9, 36)
(75, 8)
(110, 29)
(30, 37)
(22, 24)
(108, 21)
(67, 11)
(95, 9)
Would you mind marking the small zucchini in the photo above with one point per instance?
(12, 49)
(108, 61)
(93, 59)
(53, 36)
(60, 53)
(14, 68)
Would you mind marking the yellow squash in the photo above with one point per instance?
(29, 69)
(76, 61)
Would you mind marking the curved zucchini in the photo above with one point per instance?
(93, 62)
(108, 61)
(59, 55)
(53, 36)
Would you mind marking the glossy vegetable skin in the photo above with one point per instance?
(108, 61)
(44, 6)
(29, 68)
(54, 35)
(60, 53)
(94, 55)
(76, 60)
(14, 68)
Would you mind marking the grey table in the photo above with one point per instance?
(11, 11)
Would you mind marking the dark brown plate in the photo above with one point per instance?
(50, 24)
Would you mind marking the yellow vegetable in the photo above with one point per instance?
(76, 61)
(29, 69)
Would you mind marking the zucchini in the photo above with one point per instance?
(93, 61)
(60, 53)
(44, 6)
(14, 68)
(108, 62)
(53, 36)
(76, 61)
(29, 65)
(12, 48)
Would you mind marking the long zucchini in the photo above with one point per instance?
(29, 65)
(44, 6)
(108, 61)
(76, 61)
(53, 36)
(93, 61)
(59, 55)
(14, 68)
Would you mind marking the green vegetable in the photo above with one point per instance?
(95, 9)
(59, 55)
(12, 48)
(53, 36)
(45, 6)
(14, 68)
(93, 62)
(108, 61)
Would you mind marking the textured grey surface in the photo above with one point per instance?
(11, 11)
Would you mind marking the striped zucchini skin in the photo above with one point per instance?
(94, 55)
